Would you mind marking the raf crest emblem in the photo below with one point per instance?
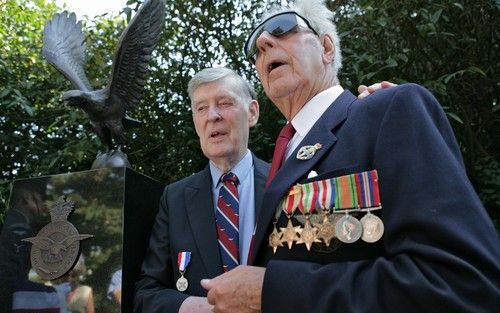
(56, 247)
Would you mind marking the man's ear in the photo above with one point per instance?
(253, 115)
(328, 48)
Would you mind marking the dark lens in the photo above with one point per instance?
(251, 46)
(281, 24)
(277, 25)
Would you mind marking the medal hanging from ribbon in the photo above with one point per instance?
(307, 206)
(369, 198)
(333, 200)
(289, 204)
(348, 229)
(183, 259)
(325, 202)
(275, 238)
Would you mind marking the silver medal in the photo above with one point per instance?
(373, 228)
(181, 284)
(348, 229)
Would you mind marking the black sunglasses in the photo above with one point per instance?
(276, 25)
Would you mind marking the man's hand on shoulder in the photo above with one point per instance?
(364, 91)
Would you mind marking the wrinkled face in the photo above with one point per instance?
(222, 119)
(289, 66)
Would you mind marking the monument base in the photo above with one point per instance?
(112, 211)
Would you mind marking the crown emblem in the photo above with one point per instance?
(61, 209)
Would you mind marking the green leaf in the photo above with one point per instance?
(455, 117)
(391, 62)
(28, 109)
(4, 93)
(477, 70)
(436, 15)
(447, 78)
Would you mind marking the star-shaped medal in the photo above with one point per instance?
(290, 233)
(275, 239)
(326, 230)
(308, 236)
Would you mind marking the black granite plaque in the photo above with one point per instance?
(116, 206)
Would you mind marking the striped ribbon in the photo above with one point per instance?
(183, 259)
(308, 199)
(290, 202)
(346, 191)
(359, 190)
(326, 194)
(367, 189)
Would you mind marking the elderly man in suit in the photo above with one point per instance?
(189, 240)
(224, 108)
(372, 210)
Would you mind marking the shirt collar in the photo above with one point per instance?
(241, 169)
(305, 119)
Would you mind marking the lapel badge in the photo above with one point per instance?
(307, 152)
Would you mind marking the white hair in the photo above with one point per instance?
(321, 20)
(209, 75)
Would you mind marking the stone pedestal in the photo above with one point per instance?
(116, 206)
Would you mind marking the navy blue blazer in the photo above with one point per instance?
(185, 222)
(440, 251)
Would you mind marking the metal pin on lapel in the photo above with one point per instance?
(307, 152)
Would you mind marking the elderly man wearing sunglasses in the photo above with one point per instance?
(368, 206)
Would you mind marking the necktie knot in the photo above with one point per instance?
(229, 177)
(282, 141)
(287, 131)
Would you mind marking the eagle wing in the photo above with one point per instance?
(64, 48)
(43, 243)
(70, 239)
(134, 51)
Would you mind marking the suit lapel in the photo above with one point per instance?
(202, 220)
(293, 169)
(261, 170)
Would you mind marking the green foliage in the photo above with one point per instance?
(449, 46)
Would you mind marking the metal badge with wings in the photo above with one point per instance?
(64, 48)
(56, 247)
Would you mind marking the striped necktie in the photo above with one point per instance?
(227, 220)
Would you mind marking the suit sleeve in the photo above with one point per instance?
(155, 291)
(441, 249)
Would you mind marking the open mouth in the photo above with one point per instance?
(274, 65)
(217, 134)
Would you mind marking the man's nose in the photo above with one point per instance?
(214, 113)
(265, 41)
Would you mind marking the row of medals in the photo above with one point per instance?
(324, 226)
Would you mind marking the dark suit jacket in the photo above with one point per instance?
(440, 251)
(185, 222)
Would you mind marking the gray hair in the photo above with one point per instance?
(212, 74)
(321, 20)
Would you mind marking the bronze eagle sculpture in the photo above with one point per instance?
(64, 48)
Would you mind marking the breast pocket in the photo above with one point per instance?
(341, 171)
